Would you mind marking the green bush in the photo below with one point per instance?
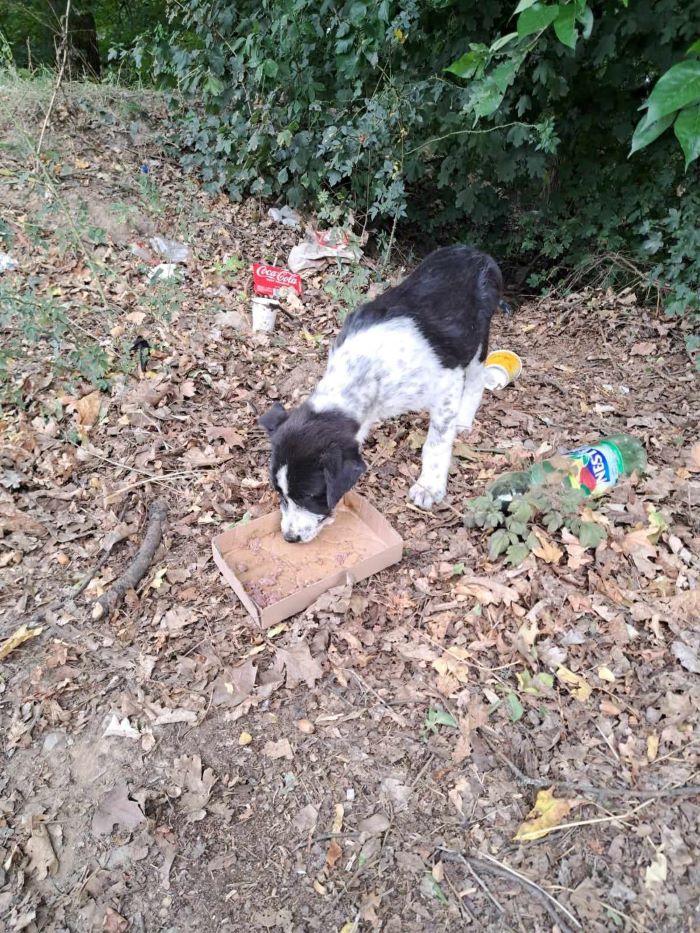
(520, 143)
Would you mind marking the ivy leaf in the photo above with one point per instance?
(590, 534)
(520, 509)
(565, 25)
(536, 18)
(687, 130)
(646, 132)
(677, 88)
(515, 707)
(498, 543)
(517, 553)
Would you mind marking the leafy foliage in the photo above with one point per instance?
(520, 142)
(513, 530)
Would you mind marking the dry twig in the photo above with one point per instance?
(140, 564)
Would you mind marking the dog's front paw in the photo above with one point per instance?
(424, 497)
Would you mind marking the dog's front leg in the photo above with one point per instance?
(437, 450)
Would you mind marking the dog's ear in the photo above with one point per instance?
(342, 469)
(273, 418)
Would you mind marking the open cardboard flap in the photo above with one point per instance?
(274, 579)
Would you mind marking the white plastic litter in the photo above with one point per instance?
(264, 311)
(284, 215)
(170, 250)
(163, 272)
(319, 245)
(7, 263)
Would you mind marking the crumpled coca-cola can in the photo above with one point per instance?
(268, 280)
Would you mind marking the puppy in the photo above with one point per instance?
(418, 347)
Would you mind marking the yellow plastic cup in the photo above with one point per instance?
(502, 368)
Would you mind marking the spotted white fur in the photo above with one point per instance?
(389, 369)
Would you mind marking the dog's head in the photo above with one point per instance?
(315, 461)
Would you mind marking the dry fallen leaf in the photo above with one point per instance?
(88, 408)
(188, 773)
(333, 854)
(41, 853)
(657, 872)
(581, 689)
(299, 665)
(547, 551)
(13, 519)
(652, 746)
(486, 591)
(687, 656)
(279, 749)
(116, 807)
(547, 814)
(120, 728)
(18, 638)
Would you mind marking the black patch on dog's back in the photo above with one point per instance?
(451, 297)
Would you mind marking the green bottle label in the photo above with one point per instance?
(596, 469)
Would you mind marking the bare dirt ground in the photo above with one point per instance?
(367, 765)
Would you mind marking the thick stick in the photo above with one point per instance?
(109, 601)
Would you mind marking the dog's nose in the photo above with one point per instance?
(291, 537)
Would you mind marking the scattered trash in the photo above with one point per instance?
(7, 263)
(170, 250)
(264, 311)
(268, 280)
(284, 215)
(502, 368)
(594, 469)
(317, 246)
(141, 251)
(163, 272)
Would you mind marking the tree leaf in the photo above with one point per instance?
(677, 88)
(646, 132)
(468, 64)
(565, 25)
(581, 689)
(546, 815)
(585, 17)
(694, 48)
(536, 18)
(524, 5)
(687, 130)
(504, 40)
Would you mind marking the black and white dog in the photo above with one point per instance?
(418, 347)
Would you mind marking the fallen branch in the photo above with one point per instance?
(109, 601)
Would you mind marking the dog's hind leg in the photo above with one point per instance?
(474, 376)
(437, 450)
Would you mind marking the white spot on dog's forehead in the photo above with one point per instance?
(282, 481)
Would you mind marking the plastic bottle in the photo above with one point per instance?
(593, 469)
